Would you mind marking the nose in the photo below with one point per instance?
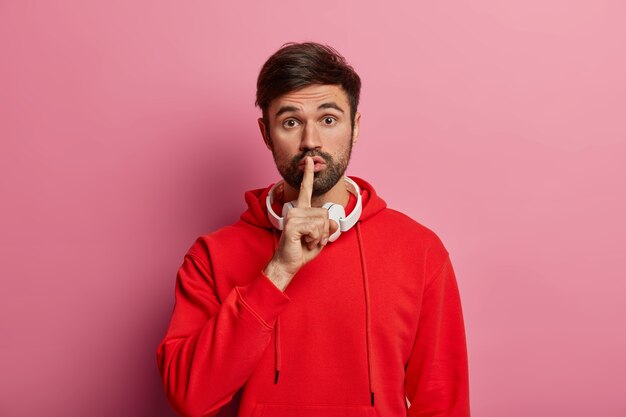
(310, 137)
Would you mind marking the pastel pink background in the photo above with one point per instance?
(128, 129)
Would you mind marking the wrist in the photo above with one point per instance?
(277, 274)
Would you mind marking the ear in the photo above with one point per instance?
(355, 128)
(264, 133)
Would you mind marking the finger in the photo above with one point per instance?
(314, 241)
(333, 226)
(326, 229)
(311, 246)
(314, 232)
(306, 188)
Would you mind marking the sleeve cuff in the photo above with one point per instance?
(263, 299)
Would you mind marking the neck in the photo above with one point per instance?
(338, 194)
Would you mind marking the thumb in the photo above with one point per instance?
(333, 226)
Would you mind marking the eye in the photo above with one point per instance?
(290, 123)
(329, 120)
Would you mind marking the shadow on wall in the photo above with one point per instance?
(213, 172)
(218, 170)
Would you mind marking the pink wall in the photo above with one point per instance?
(128, 128)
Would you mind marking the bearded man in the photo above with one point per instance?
(320, 300)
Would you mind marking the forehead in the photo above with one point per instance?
(310, 97)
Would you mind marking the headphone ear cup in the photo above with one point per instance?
(335, 212)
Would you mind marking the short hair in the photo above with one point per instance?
(298, 65)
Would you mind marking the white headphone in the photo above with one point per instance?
(336, 211)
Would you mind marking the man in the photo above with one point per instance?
(320, 300)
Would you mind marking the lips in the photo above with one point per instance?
(318, 161)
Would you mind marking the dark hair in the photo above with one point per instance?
(297, 65)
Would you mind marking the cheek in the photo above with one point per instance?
(282, 151)
(338, 139)
(284, 139)
(343, 132)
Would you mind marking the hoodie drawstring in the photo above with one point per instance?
(368, 332)
(368, 320)
(276, 327)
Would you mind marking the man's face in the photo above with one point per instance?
(313, 121)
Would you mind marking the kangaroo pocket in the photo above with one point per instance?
(285, 410)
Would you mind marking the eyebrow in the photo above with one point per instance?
(329, 105)
(285, 109)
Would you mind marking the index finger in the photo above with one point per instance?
(306, 188)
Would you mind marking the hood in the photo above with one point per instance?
(256, 214)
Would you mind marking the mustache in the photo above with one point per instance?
(326, 156)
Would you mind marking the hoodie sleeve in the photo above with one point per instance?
(211, 348)
(437, 382)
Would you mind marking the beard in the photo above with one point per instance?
(323, 180)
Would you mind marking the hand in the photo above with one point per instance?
(305, 233)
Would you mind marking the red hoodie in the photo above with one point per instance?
(375, 317)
